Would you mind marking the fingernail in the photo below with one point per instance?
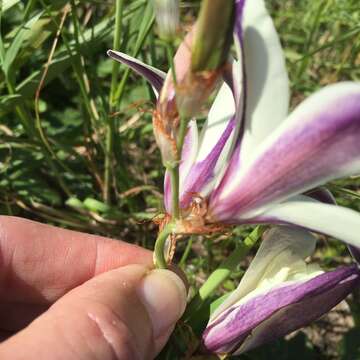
(164, 295)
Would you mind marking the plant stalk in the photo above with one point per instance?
(160, 261)
(110, 128)
(174, 180)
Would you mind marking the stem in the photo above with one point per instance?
(223, 271)
(174, 168)
(170, 57)
(110, 129)
(186, 252)
(116, 46)
(160, 261)
(181, 134)
(174, 180)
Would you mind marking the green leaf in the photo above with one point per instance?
(7, 4)
(17, 42)
(96, 205)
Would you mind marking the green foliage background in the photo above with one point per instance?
(73, 158)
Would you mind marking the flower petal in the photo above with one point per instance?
(215, 144)
(355, 252)
(325, 196)
(155, 76)
(219, 133)
(317, 143)
(337, 221)
(322, 194)
(267, 84)
(280, 311)
(281, 248)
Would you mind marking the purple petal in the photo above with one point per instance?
(203, 172)
(322, 194)
(279, 311)
(355, 252)
(317, 143)
(154, 76)
(220, 131)
(239, 11)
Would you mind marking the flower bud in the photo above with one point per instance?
(213, 35)
(191, 90)
(199, 61)
(167, 17)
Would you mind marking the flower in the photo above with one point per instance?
(278, 294)
(252, 162)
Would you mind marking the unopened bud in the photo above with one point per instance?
(191, 90)
(167, 16)
(213, 35)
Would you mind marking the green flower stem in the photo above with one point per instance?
(181, 134)
(160, 261)
(116, 46)
(174, 180)
(170, 57)
(223, 271)
(186, 252)
(213, 35)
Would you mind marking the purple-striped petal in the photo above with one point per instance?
(355, 252)
(155, 76)
(337, 221)
(322, 194)
(317, 143)
(281, 255)
(203, 173)
(279, 311)
(267, 85)
(219, 133)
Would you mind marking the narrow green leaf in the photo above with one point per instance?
(17, 42)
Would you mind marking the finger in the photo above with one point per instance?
(40, 263)
(122, 314)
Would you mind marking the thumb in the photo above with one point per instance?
(127, 313)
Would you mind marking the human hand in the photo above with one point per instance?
(69, 295)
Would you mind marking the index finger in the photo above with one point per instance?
(40, 263)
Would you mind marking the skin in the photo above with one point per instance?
(69, 295)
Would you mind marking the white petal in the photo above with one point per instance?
(279, 259)
(337, 221)
(267, 93)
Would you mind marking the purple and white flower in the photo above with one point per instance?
(252, 162)
(278, 294)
